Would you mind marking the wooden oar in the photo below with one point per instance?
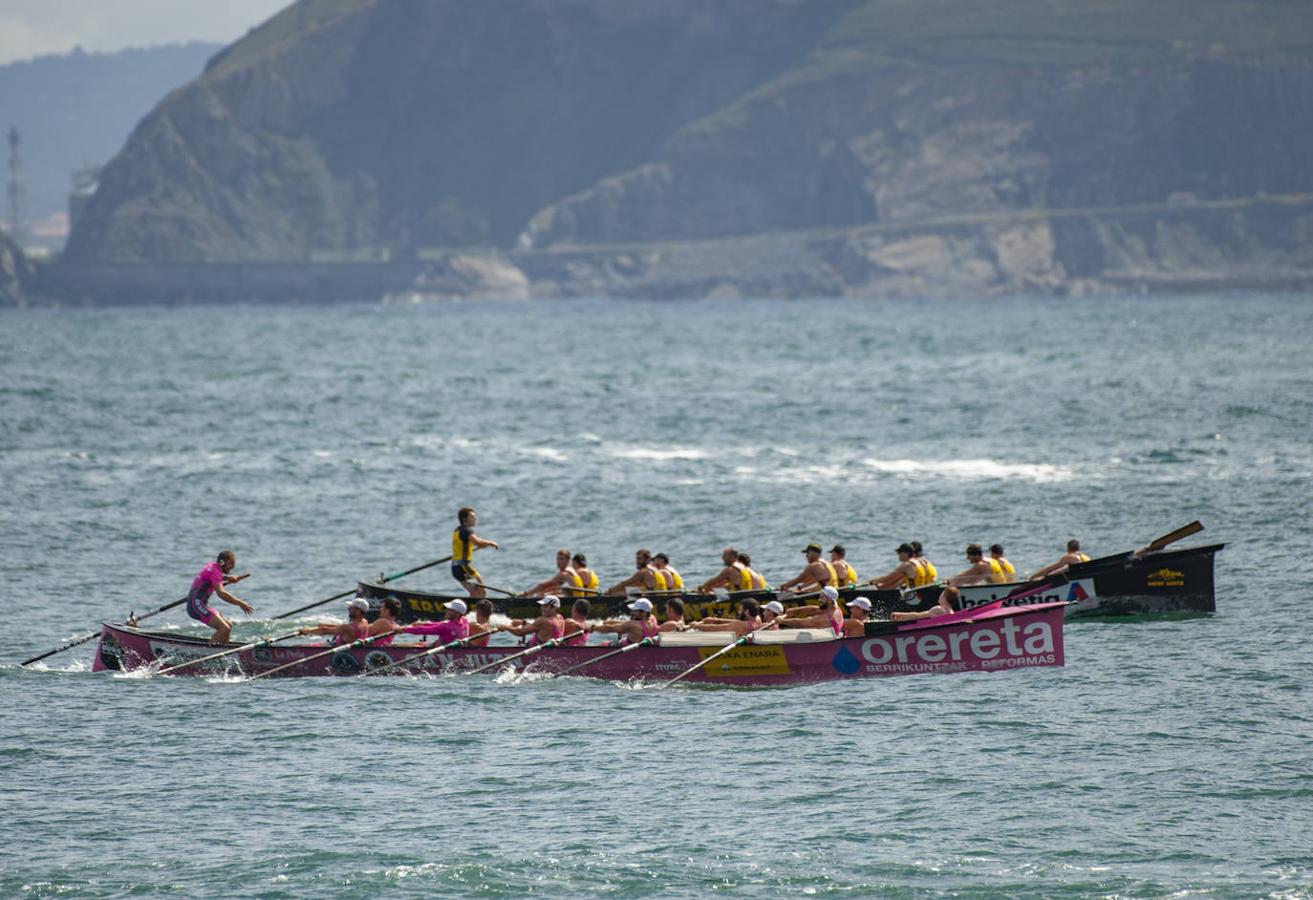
(423, 653)
(536, 648)
(1171, 538)
(739, 643)
(385, 580)
(263, 642)
(645, 642)
(358, 642)
(95, 634)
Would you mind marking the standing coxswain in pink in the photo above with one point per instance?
(549, 624)
(454, 627)
(355, 628)
(213, 579)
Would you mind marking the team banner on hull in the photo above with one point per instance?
(1001, 642)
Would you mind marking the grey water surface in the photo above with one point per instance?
(326, 444)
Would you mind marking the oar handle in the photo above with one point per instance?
(383, 580)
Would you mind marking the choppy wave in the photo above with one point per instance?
(970, 469)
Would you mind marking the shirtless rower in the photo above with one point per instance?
(816, 574)
(825, 615)
(674, 616)
(463, 544)
(481, 627)
(749, 620)
(452, 628)
(673, 580)
(735, 576)
(643, 579)
(579, 563)
(564, 581)
(842, 568)
(856, 626)
(355, 627)
(759, 582)
(576, 627)
(642, 623)
(1070, 558)
(549, 624)
(978, 571)
(386, 622)
(949, 600)
(996, 554)
(905, 573)
(213, 578)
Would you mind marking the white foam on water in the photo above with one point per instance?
(545, 453)
(969, 469)
(659, 454)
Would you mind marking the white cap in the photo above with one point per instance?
(861, 602)
(776, 607)
(829, 593)
(457, 606)
(550, 600)
(642, 604)
(359, 603)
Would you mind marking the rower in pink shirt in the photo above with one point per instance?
(826, 614)
(642, 623)
(576, 627)
(549, 625)
(355, 628)
(455, 627)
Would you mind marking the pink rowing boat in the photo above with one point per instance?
(993, 639)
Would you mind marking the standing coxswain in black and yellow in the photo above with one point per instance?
(667, 578)
(463, 544)
(815, 575)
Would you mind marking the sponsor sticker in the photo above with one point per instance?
(746, 660)
(1166, 578)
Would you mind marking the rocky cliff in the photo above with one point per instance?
(15, 273)
(1026, 145)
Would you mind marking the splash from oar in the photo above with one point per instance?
(263, 642)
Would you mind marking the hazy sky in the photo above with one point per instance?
(36, 27)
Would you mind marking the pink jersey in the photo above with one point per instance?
(836, 622)
(580, 637)
(558, 631)
(206, 581)
(447, 630)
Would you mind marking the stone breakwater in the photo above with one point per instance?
(1168, 247)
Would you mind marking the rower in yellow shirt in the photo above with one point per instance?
(842, 568)
(817, 574)
(1009, 570)
(587, 576)
(672, 579)
(1070, 558)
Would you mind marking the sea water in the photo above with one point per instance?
(330, 444)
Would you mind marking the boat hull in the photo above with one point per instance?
(1000, 639)
(1164, 583)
